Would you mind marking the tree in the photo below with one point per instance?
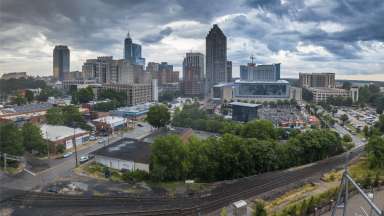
(344, 118)
(120, 97)
(72, 116)
(48, 92)
(259, 209)
(347, 138)
(366, 131)
(54, 116)
(158, 116)
(11, 139)
(19, 100)
(29, 96)
(375, 151)
(75, 97)
(33, 139)
(380, 105)
(261, 129)
(85, 95)
(167, 161)
(106, 106)
(223, 212)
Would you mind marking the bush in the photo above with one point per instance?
(135, 176)
(60, 149)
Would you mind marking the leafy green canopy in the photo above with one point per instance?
(158, 116)
(232, 156)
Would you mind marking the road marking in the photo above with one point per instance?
(30, 172)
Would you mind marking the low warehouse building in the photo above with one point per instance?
(125, 154)
(63, 135)
(109, 124)
(244, 112)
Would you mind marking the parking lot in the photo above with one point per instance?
(282, 115)
(358, 117)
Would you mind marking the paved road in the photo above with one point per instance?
(63, 168)
(342, 131)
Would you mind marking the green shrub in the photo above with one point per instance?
(136, 176)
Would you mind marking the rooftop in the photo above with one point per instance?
(28, 108)
(223, 84)
(268, 82)
(244, 104)
(58, 132)
(110, 120)
(127, 149)
(181, 132)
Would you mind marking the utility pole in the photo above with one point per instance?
(74, 143)
(46, 135)
(5, 161)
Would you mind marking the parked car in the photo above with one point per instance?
(101, 141)
(92, 138)
(53, 189)
(68, 154)
(140, 125)
(84, 158)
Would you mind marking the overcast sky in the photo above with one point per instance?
(341, 36)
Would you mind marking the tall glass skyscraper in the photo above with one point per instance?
(61, 61)
(132, 51)
(216, 57)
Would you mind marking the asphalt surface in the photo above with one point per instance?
(62, 167)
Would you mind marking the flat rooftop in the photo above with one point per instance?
(262, 82)
(112, 120)
(28, 108)
(58, 132)
(127, 149)
(162, 132)
(244, 104)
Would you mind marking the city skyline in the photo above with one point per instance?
(305, 36)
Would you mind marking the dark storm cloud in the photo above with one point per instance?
(79, 23)
(363, 21)
(154, 38)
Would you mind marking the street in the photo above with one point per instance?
(63, 167)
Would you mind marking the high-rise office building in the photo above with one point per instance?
(261, 82)
(216, 57)
(61, 59)
(98, 69)
(132, 51)
(229, 71)
(193, 74)
(317, 80)
(251, 72)
(166, 74)
(105, 69)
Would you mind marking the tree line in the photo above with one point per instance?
(67, 115)
(233, 156)
(15, 141)
(10, 86)
(191, 116)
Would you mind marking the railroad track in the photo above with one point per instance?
(203, 203)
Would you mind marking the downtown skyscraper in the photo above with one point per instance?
(132, 52)
(193, 74)
(216, 57)
(61, 60)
